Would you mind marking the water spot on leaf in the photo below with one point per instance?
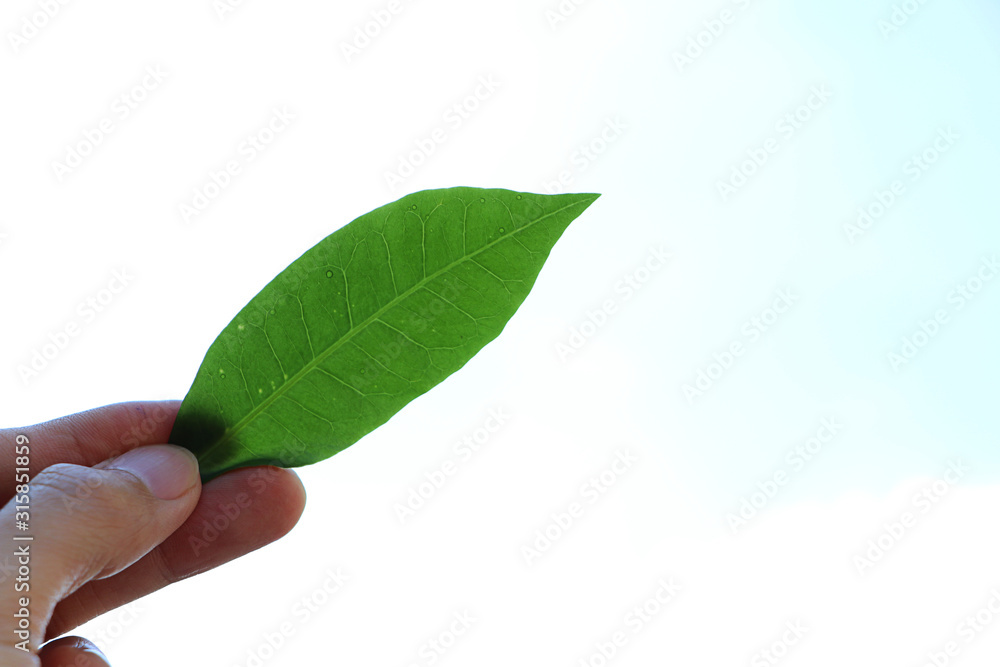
(501, 230)
(482, 200)
(329, 274)
(518, 197)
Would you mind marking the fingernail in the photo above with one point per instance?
(75, 651)
(91, 657)
(167, 470)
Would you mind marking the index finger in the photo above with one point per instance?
(89, 437)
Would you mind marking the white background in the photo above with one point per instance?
(894, 78)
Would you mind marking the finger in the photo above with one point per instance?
(239, 512)
(12, 657)
(72, 652)
(136, 501)
(87, 438)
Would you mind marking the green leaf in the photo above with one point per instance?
(370, 318)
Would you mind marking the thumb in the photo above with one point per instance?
(90, 523)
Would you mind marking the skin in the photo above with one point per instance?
(119, 541)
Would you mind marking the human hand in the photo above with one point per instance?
(106, 532)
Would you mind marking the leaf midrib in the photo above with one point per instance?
(230, 433)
